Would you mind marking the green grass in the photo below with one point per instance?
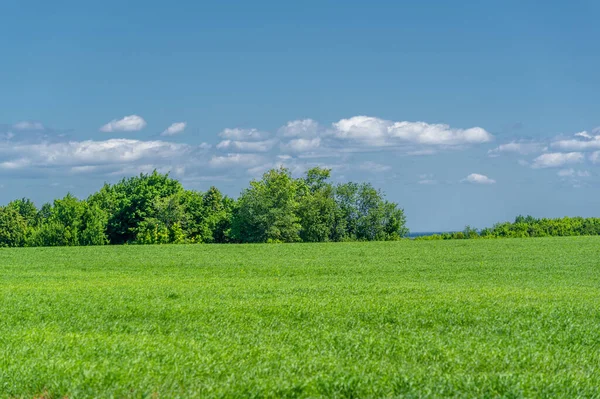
(474, 318)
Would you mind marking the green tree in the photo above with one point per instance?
(68, 211)
(93, 225)
(267, 210)
(13, 228)
(364, 214)
(27, 209)
(129, 202)
(218, 212)
(317, 207)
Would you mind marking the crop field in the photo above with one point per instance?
(472, 318)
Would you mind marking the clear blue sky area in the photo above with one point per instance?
(465, 112)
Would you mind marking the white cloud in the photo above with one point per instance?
(246, 146)
(90, 155)
(236, 160)
(583, 134)
(583, 141)
(423, 133)
(520, 147)
(305, 128)
(379, 132)
(363, 128)
(301, 145)
(557, 159)
(595, 157)
(175, 128)
(374, 167)
(476, 178)
(243, 134)
(427, 181)
(592, 143)
(131, 123)
(28, 125)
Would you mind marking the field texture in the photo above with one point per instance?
(473, 318)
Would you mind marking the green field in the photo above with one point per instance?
(473, 318)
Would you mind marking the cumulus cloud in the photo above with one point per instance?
(305, 128)
(595, 157)
(307, 138)
(104, 157)
(379, 132)
(89, 152)
(589, 143)
(236, 160)
(518, 147)
(246, 146)
(175, 128)
(476, 178)
(557, 159)
(131, 123)
(243, 134)
(28, 125)
(301, 145)
(298, 143)
(580, 142)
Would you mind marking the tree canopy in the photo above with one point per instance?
(156, 209)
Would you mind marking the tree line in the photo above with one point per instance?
(527, 226)
(156, 209)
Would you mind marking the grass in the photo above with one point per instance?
(473, 318)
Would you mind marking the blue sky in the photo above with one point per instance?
(464, 112)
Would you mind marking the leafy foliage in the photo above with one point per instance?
(13, 228)
(528, 226)
(156, 209)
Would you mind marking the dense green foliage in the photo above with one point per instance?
(527, 226)
(156, 209)
(473, 318)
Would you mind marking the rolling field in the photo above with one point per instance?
(473, 318)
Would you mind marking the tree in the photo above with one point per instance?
(365, 215)
(129, 202)
(93, 225)
(218, 211)
(27, 209)
(346, 222)
(13, 228)
(68, 212)
(155, 209)
(317, 207)
(266, 211)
